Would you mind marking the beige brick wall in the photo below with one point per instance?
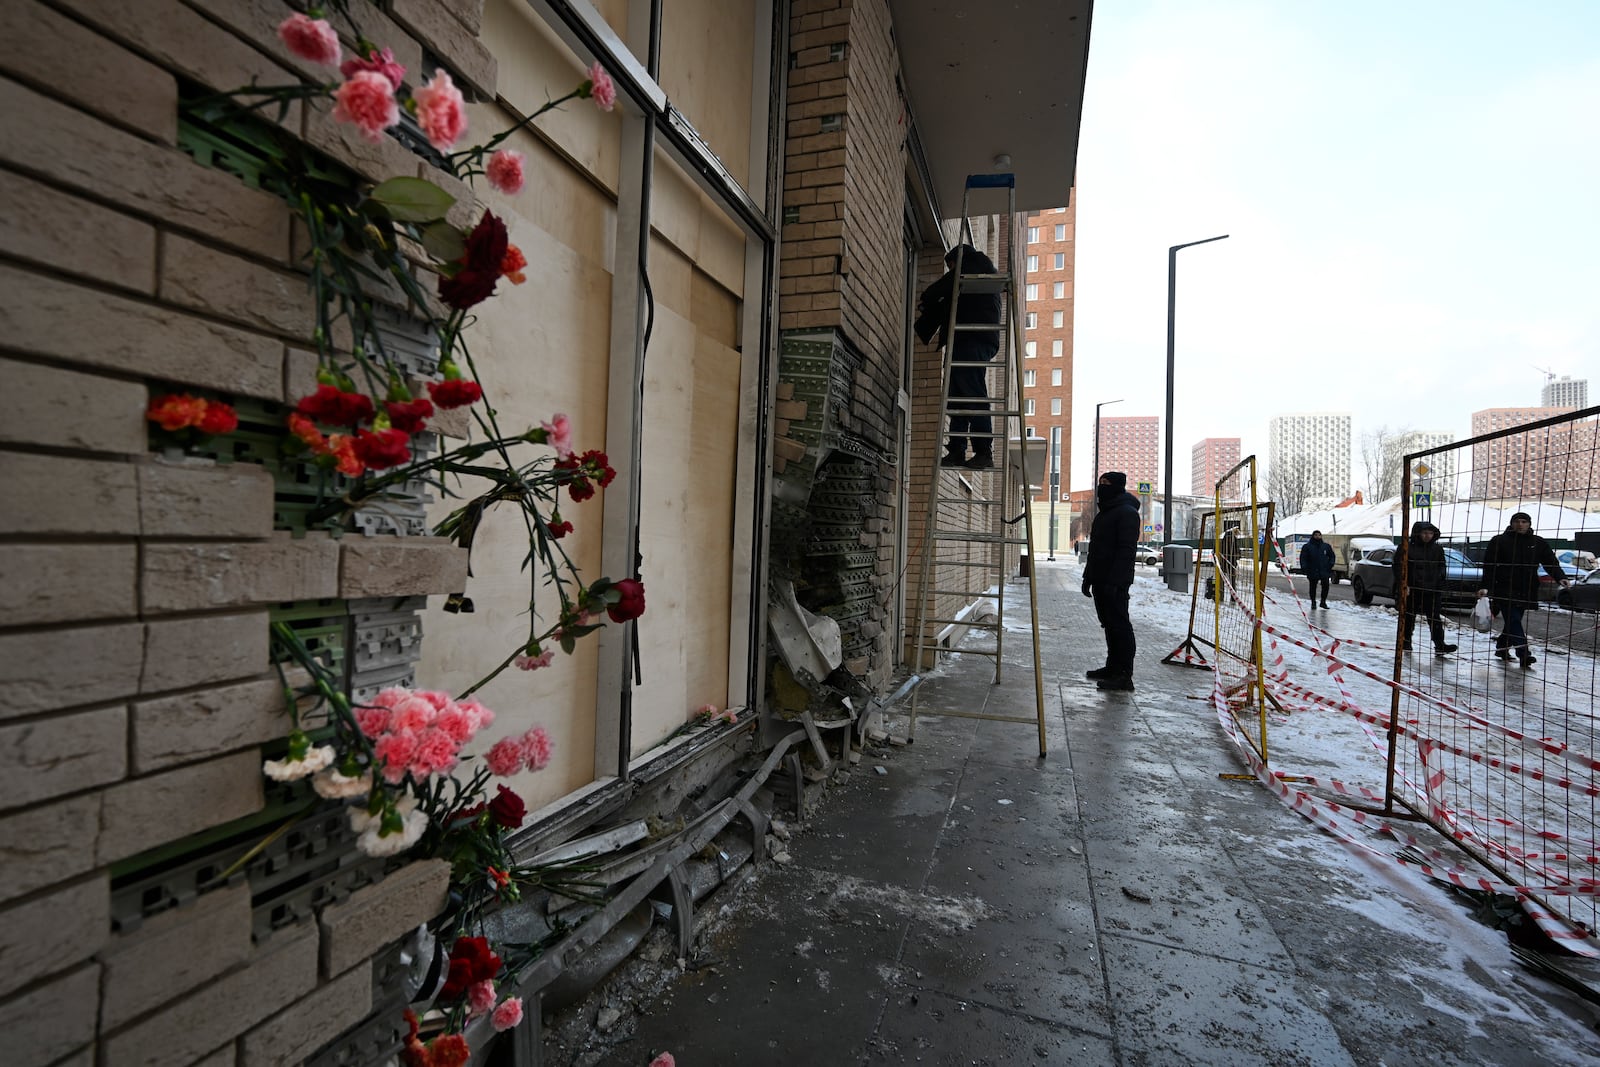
(136, 587)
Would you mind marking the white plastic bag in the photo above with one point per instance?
(1482, 616)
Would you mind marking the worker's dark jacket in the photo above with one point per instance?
(934, 312)
(1424, 559)
(1316, 559)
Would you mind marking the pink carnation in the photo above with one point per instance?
(392, 697)
(367, 101)
(602, 90)
(480, 997)
(505, 171)
(378, 63)
(558, 435)
(373, 721)
(414, 714)
(459, 724)
(533, 663)
(395, 752)
(439, 700)
(536, 745)
(480, 715)
(310, 39)
(436, 753)
(441, 112)
(664, 1060)
(507, 1015)
(506, 757)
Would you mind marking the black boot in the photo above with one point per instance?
(980, 461)
(1526, 657)
(952, 458)
(1098, 673)
(1443, 650)
(1117, 683)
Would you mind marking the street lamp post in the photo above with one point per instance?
(1094, 475)
(1172, 301)
(1053, 483)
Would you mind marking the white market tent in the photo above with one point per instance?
(1470, 521)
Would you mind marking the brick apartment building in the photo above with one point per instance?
(1210, 459)
(1546, 463)
(1048, 266)
(1132, 444)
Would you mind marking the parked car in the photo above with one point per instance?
(1547, 585)
(1374, 576)
(1582, 595)
(1147, 554)
(1577, 557)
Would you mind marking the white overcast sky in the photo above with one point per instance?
(1412, 189)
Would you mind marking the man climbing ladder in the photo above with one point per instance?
(969, 356)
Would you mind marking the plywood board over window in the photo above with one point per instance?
(548, 347)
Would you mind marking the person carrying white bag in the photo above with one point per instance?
(1511, 580)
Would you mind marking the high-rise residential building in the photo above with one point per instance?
(1565, 392)
(1441, 476)
(1047, 338)
(1313, 450)
(1209, 460)
(1538, 463)
(1132, 444)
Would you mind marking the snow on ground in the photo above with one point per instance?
(1529, 821)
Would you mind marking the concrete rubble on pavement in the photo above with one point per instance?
(1115, 903)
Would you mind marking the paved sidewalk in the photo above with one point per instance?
(1115, 903)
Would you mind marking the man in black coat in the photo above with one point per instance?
(969, 355)
(1511, 581)
(1425, 585)
(1108, 575)
(1316, 560)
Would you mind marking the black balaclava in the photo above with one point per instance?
(1112, 485)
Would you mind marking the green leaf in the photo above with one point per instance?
(444, 242)
(412, 199)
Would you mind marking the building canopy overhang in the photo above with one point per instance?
(990, 78)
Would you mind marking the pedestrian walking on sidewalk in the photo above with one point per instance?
(1425, 585)
(1511, 581)
(1108, 575)
(1316, 559)
(970, 353)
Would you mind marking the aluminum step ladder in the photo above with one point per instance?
(969, 506)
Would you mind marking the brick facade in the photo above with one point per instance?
(138, 584)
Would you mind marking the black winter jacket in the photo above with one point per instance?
(1112, 542)
(1316, 559)
(1511, 567)
(934, 312)
(1424, 560)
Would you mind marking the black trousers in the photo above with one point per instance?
(1313, 591)
(1111, 606)
(971, 384)
(1424, 602)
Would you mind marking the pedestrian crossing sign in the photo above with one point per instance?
(1422, 500)
(1144, 488)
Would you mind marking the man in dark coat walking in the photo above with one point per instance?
(1316, 560)
(1425, 585)
(1108, 575)
(969, 355)
(1511, 581)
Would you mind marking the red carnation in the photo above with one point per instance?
(631, 606)
(559, 528)
(385, 448)
(218, 418)
(449, 1050)
(409, 415)
(455, 392)
(471, 960)
(507, 809)
(335, 407)
(511, 267)
(478, 269)
(598, 465)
